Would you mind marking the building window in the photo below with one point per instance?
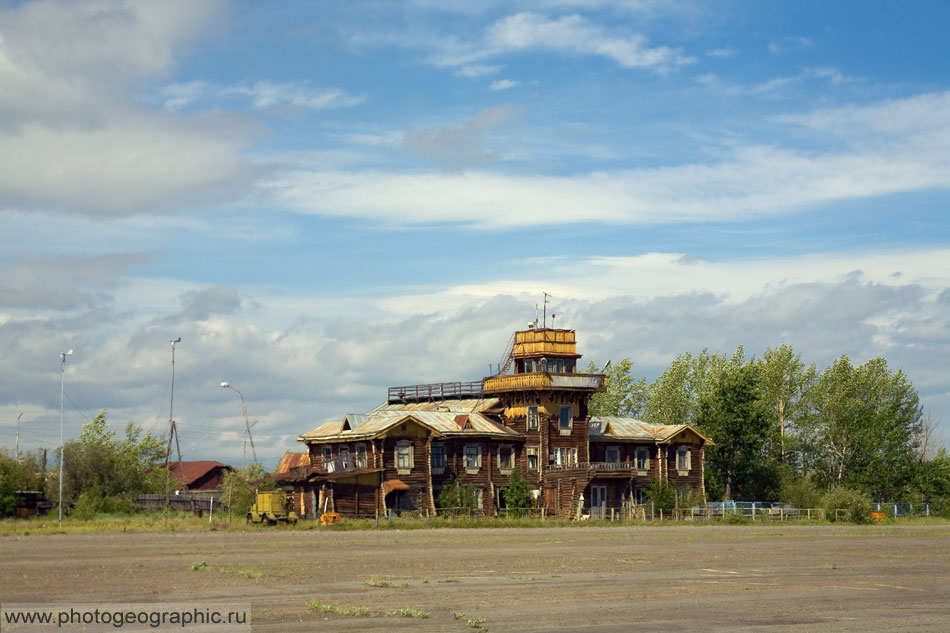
(473, 458)
(566, 413)
(327, 453)
(345, 457)
(438, 458)
(361, 455)
(565, 456)
(613, 455)
(528, 366)
(683, 460)
(506, 457)
(404, 457)
(532, 459)
(559, 366)
(533, 417)
(643, 458)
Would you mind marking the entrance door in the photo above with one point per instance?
(598, 497)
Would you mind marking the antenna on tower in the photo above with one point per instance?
(546, 295)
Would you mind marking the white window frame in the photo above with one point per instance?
(360, 457)
(532, 458)
(534, 417)
(642, 458)
(511, 465)
(440, 449)
(616, 451)
(477, 449)
(406, 468)
(684, 460)
(564, 456)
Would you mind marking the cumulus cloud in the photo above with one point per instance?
(70, 128)
(650, 308)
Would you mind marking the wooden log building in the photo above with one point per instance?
(531, 417)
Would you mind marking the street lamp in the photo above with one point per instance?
(247, 424)
(62, 444)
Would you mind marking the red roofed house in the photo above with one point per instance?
(200, 475)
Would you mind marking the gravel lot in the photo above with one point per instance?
(703, 578)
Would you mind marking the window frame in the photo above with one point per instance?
(477, 450)
(403, 445)
(360, 455)
(511, 452)
(642, 458)
(684, 460)
(437, 449)
(565, 429)
(608, 450)
(533, 418)
(532, 455)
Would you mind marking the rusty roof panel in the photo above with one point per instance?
(607, 427)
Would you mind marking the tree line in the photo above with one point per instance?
(785, 430)
(105, 472)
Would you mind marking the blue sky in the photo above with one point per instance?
(325, 199)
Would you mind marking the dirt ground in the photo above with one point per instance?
(704, 578)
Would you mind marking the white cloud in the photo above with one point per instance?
(466, 144)
(649, 307)
(261, 94)
(776, 85)
(721, 52)
(69, 127)
(503, 84)
(570, 34)
(477, 70)
(754, 181)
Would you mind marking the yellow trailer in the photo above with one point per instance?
(271, 508)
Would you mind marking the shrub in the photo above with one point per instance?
(854, 501)
(661, 493)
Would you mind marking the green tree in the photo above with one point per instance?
(239, 488)
(518, 494)
(734, 416)
(625, 396)
(456, 495)
(108, 467)
(785, 383)
(864, 422)
(661, 494)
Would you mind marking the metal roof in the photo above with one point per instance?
(443, 423)
(611, 427)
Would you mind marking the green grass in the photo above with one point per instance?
(325, 607)
(409, 613)
(186, 522)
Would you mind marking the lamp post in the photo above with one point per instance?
(62, 444)
(247, 424)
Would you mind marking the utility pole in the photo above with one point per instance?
(18, 437)
(172, 432)
(247, 425)
(62, 443)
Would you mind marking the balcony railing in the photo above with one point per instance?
(600, 467)
(435, 391)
